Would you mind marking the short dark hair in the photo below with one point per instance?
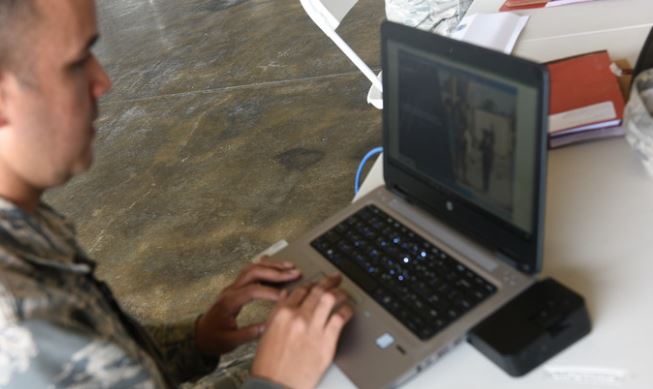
(16, 17)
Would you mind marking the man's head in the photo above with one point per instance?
(50, 83)
(15, 17)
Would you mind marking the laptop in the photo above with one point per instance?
(457, 230)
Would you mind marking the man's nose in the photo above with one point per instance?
(101, 82)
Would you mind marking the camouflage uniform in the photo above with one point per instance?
(60, 327)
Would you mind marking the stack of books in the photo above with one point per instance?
(586, 101)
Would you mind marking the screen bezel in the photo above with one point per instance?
(521, 249)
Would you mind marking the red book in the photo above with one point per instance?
(513, 5)
(584, 94)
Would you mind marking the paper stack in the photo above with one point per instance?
(498, 31)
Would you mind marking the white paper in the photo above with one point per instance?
(498, 31)
(564, 2)
(592, 116)
(591, 376)
(558, 140)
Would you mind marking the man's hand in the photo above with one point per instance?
(217, 332)
(300, 341)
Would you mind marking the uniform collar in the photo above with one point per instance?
(42, 238)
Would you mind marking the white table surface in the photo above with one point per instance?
(599, 226)
(582, 18)
(567, 30)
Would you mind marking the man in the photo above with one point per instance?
(59, 325)
(487, 153)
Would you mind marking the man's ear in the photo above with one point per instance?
(3, 98)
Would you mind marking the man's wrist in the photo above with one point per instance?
(207, 357)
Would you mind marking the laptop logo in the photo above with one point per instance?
(449, 206)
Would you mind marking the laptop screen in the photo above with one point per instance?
(459, 128)
(468, 129)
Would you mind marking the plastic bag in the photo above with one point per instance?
(439, 16)
(638, 118)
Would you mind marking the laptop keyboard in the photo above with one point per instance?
(419, 284)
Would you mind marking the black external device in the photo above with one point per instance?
(536, 325)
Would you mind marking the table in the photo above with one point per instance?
(617, 25)
(599, 226)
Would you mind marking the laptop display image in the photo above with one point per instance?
(461, 133)
(457, 230)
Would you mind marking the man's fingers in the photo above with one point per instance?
(243, 335)
(259, 272)
(330, 281)
(337, 321)
(328, 301)
(313, 298)
(297, 296)
(235, 299)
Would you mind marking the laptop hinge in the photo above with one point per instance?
(504, 258)
(400, 192)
